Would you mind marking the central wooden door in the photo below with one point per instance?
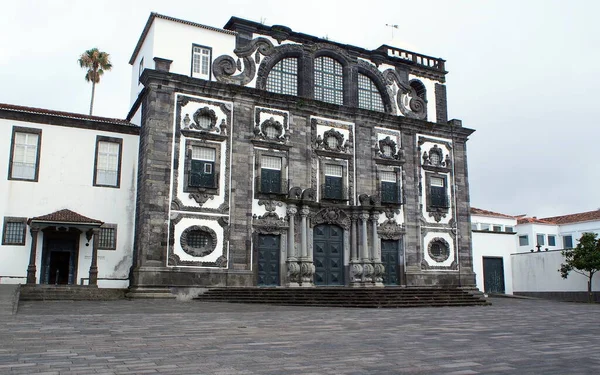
(268, 260)
(328, 255)
(389, 258)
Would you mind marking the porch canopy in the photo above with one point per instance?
(64, 219)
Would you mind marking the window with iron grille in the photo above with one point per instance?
(107, 237)
(270, 174)
(334, 187)
(283, 77)
(25, 154)
(390, 189)
(369, 96)
(202, 167)
(201, 62)
(329, 81)
(108, 162)
(14, 231)
(197, 239)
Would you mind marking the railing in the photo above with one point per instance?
(424, 60)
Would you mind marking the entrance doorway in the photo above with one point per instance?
(59, 258)
(268, 260)
(493, 275)
(328, 254)
(390, 260)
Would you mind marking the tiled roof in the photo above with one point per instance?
(575, 218)
(77, 116)
(479, 211)
(66, 216)
(533, 220)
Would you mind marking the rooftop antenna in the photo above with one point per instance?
(393, 27)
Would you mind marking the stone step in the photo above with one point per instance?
(69, 293)
(9, 298)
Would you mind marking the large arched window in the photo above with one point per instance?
(329, 82)
(369, 96)
(283, 77)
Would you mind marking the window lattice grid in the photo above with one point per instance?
(333, 170)
(107, 238)
(270, 162)
(14, 232)
(24, 155)
(437, 182)
(329, 83)
(369, 96)
(283, 77)
(203, 153)
(200, 60)
(197, 239)
(107, 165)
(387, 176)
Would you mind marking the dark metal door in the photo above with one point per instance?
(58, 262)
(268, 260)
(328, 254)
(389, 258)
(493, 275)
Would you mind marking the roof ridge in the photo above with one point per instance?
(51, 112)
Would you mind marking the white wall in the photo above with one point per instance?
(538, 272)
(66, 181)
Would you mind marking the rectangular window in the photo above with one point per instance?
(14, 231)
(270, 174)
(390, 188)
(523, 240)
(201, 57)
(439, 197)
(474, 226)
(140, 69)
(25, 154)
(333, 181)
(541, 239)
(497, 228)
(202, 167)
(108, 162)
(107, 239)
(509, 229)
(551, 240)
(567, 242)
(485, 226)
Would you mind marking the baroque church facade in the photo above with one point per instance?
(268, 157)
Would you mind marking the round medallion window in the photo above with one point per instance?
(198, 241)
(439, 250)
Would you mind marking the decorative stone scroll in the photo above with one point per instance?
(407, 99)
(224, 66)
(331, 216)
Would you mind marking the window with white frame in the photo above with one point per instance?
(108, 161)
(24, 158)
(497, 228)
(329, 80)
(14, 231)
(551, 240)
(334, 186)
(202, 167)
(201, 57)
(568, 242)
(140, 69)
(283, 77)
(541, 239)
(390, 188)
(369, 96)
(270, 174)
(524, 240)
(509, 229)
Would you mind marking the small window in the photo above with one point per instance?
(107, 238)
(568, 242)
(523, 240)
(201, 57)
(14, 231)
(368, 94)
(508, 229)
(334, 187)
(485, 227)
(439, 250)
(25, 155)
(283, 77)
(390, 189)
(108, 161)
(497, 228)
(140, 69)
(541, 239)
(202, 167)
(270, 174)
(474, 226)
(551, 240)
(329, 82)
(438, 194)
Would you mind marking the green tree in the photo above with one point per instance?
(584, 259)
(96, 62)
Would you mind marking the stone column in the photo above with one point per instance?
(31, 269)
(378, 268)
(293, 268)
(364, 256)
(307, 268)
(94, 265)
(355, 266)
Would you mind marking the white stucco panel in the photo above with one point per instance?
(200, 221)
(428, 238)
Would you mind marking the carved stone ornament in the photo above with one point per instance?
(407, 99)
(390, 229)
(387, 144)
(269, 222)
(332, 140)
(435, 157)
(190, 248)
(261, 131)
(295, 192)
(280, 33)
(438, 213)
(201, 198)
(204, 119)
(438, 249)
(224, 66)
(331, 216)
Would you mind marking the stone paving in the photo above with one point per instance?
(514, 336)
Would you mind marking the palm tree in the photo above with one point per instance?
(96, 62)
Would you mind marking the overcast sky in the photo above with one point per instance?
(523, 74)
